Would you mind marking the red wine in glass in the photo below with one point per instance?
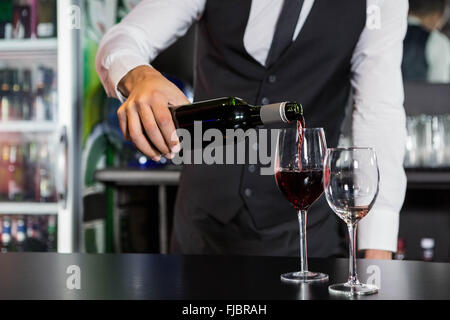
(301, 188)
(298, 174)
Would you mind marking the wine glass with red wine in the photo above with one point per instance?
(351, 181)
(298, 172)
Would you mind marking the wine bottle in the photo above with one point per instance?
(6, 19)
(21, 235)
(41, 105)
(16, 183)
(26, 96)
(51, 233)
(234, 113)
(6, 235)
(46, 24)
(21, 21)
(5, 94)
(16, 107)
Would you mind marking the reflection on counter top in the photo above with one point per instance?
(168, 277)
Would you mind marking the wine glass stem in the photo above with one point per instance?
(303, 247)
(353, 277)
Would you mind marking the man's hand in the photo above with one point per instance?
(378, 255)
(145, 118)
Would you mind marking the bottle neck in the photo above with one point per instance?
(284, 112)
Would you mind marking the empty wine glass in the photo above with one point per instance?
(351, 181)
(298, 173)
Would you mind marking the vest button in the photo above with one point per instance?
(252, 168)
(265, 100)
(248, 193)
(272, 79)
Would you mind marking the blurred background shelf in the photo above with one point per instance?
(41, 80)
(28, 45)
(27, 126)
(417, 178)
(428, 178)
(28, 49)
(28, 208)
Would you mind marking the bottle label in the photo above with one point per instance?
(45, 30)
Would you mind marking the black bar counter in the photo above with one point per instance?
(170, 277)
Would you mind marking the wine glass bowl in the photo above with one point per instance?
(299, 175)
(351, 183)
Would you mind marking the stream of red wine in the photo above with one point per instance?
(300, 133)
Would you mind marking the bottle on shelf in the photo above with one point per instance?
(13, 228)
(6, 19)
(234, 113)
(3, 171)
(16, 106)
(40, 98)
(32, 233)
(5, 94)
(18, 100)
(46, 24)
(21, 235)
(29, 227)
(16, 174)
(26, 172)
(26, 96)
(45, 189)
(31, 159)
(33, 229)
(6, 235)
(51, 233)
(37, 231)
(44, 100)
(427, 245)
(401, 250)
(21, 20)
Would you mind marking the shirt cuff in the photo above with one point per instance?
(379, 230)
(120, 67)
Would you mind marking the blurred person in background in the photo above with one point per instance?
(426, 54)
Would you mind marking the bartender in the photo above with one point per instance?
(426, 54)
(321, 53)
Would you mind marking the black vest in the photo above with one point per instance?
(415, 65)
(315, 71)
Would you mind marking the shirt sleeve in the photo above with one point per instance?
(151, 27)
(379, 116)
(437, 52)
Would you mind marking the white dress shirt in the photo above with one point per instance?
(378, 116)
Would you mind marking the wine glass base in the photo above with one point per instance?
(304, 277)
(348, 289)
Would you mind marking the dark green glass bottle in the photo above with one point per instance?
(234, 113)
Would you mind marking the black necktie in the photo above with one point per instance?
(285, 29)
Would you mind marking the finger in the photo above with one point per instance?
(165, 123)
(137, 136)
(122, 117)
(152, 130)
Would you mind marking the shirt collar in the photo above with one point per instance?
(412, 20)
